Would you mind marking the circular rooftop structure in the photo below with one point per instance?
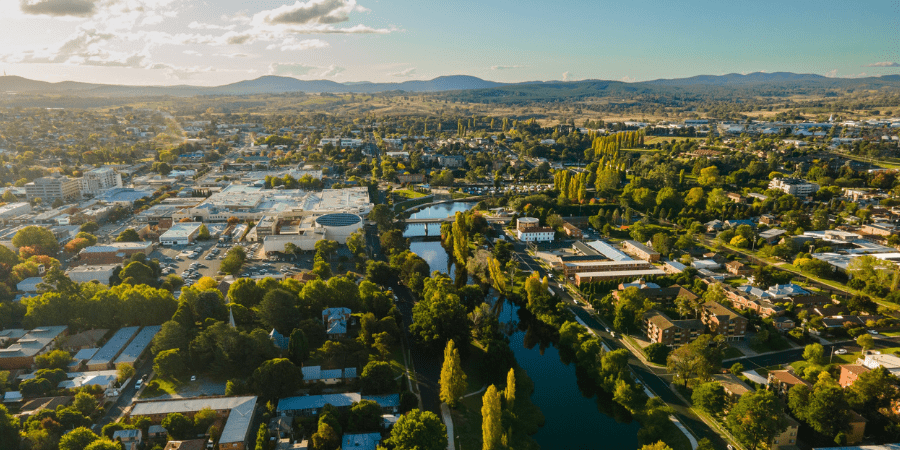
(338, 220)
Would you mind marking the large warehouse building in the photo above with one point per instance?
(336, 227)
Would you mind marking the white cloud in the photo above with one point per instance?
(293, 44)
(233, 55)
(310, 12)
(208, 26)
(192, 53)
(566, 76)
(404, 73)
(84, 47)
(833, 73)
(74, 8)
(627, 79)
(291, 69)
(153, 19)
(181, 72)
(332, 71)
(883, 64)
(506, 67)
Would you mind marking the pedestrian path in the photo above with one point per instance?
(448, 422)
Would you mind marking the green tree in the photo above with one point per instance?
(204, 418)
(491, 427)
(756, 419)
(365, 417)
(709, 397)
(298, 347)
(814, 354)
(9, 429)
(178, 426)
(418, 430)
(377, 378)
(128, 235)
(39, 238)
(659, 445)
(278, 310)
(85, 403)
(277, 378)
(89, 227)
(77, 439)
(203, 233)
(865, 341)
(56, 359)
(124, 371)
(246, 292)
(382, 216)
(170, 364)
(104, 444)
(453, 379)
(262, 437)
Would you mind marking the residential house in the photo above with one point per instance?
(772, 235)
(768, 219)
(193, 444)
(737, 198)
(733, 385)
(738, 268)
(788, 438)
(336, 321)
(664, 297)
(659, 328)
(361, 441)
(572, 231)
(130, 439)
(781, 381)
(239, 413)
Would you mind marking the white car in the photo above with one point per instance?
(871, 332)
(840, 351)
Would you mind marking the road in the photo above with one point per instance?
(795, 354)
(127, 397)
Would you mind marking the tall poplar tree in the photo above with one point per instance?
(453, 379)
(510, 393)
(491, 429)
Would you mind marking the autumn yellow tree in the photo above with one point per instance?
(453, 379)
(491, 429)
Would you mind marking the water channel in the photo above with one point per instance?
(572, 419)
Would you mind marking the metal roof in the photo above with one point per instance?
(138, 344)
(114, 346)
(235, 429)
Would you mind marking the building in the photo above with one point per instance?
(20, 355)
(772, 235)
(593, 277)
(664, 297)
(738, 268)
(659, 328)
(850, 373)
(411, 178)
(104, 358)
(572, 231)
(309, 405)
(29, 285)
(341, 142)
(571, 268)
(363, 441)
(12, 210)
(113, 253)
(312, 374)
(735, 197)
(130, 439)
(733, 385)
(788, 438)
(528, 229)
(640, 251)
(267, 226)
(336, 321)
(878, 229)
(723, 320)
(794, 186)
(181, 233)
(138, 345)
(84, 274)
(52, 188)
(781, 381)
(451, 161)
(238, 412)
(873, 361)
(95, 181)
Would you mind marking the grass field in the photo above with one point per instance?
(165, 387)
(408, 194)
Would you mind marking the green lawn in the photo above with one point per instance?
(408, 194)
(165, 387)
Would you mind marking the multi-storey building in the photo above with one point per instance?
(723, 320)
(659, 328)
(52, 188)
(794, 186)
(98, 180)
(641, 251)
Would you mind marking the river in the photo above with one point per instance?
(573, 420)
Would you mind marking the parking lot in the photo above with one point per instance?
(191, 262)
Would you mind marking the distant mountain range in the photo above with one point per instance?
(477, 87)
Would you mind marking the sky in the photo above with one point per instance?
(167, 42)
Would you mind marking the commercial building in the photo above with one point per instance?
(20, 355)
(11, 210)
(794, 186)
(238, 412)
(51, 188)
(100, 273)
(528, 229)
(591, 277)
(95, 181)
(113, 253)
(723, 320)
(571, 268)
(341, 142)
(659, 328)
(181, 233)
(640, 251)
